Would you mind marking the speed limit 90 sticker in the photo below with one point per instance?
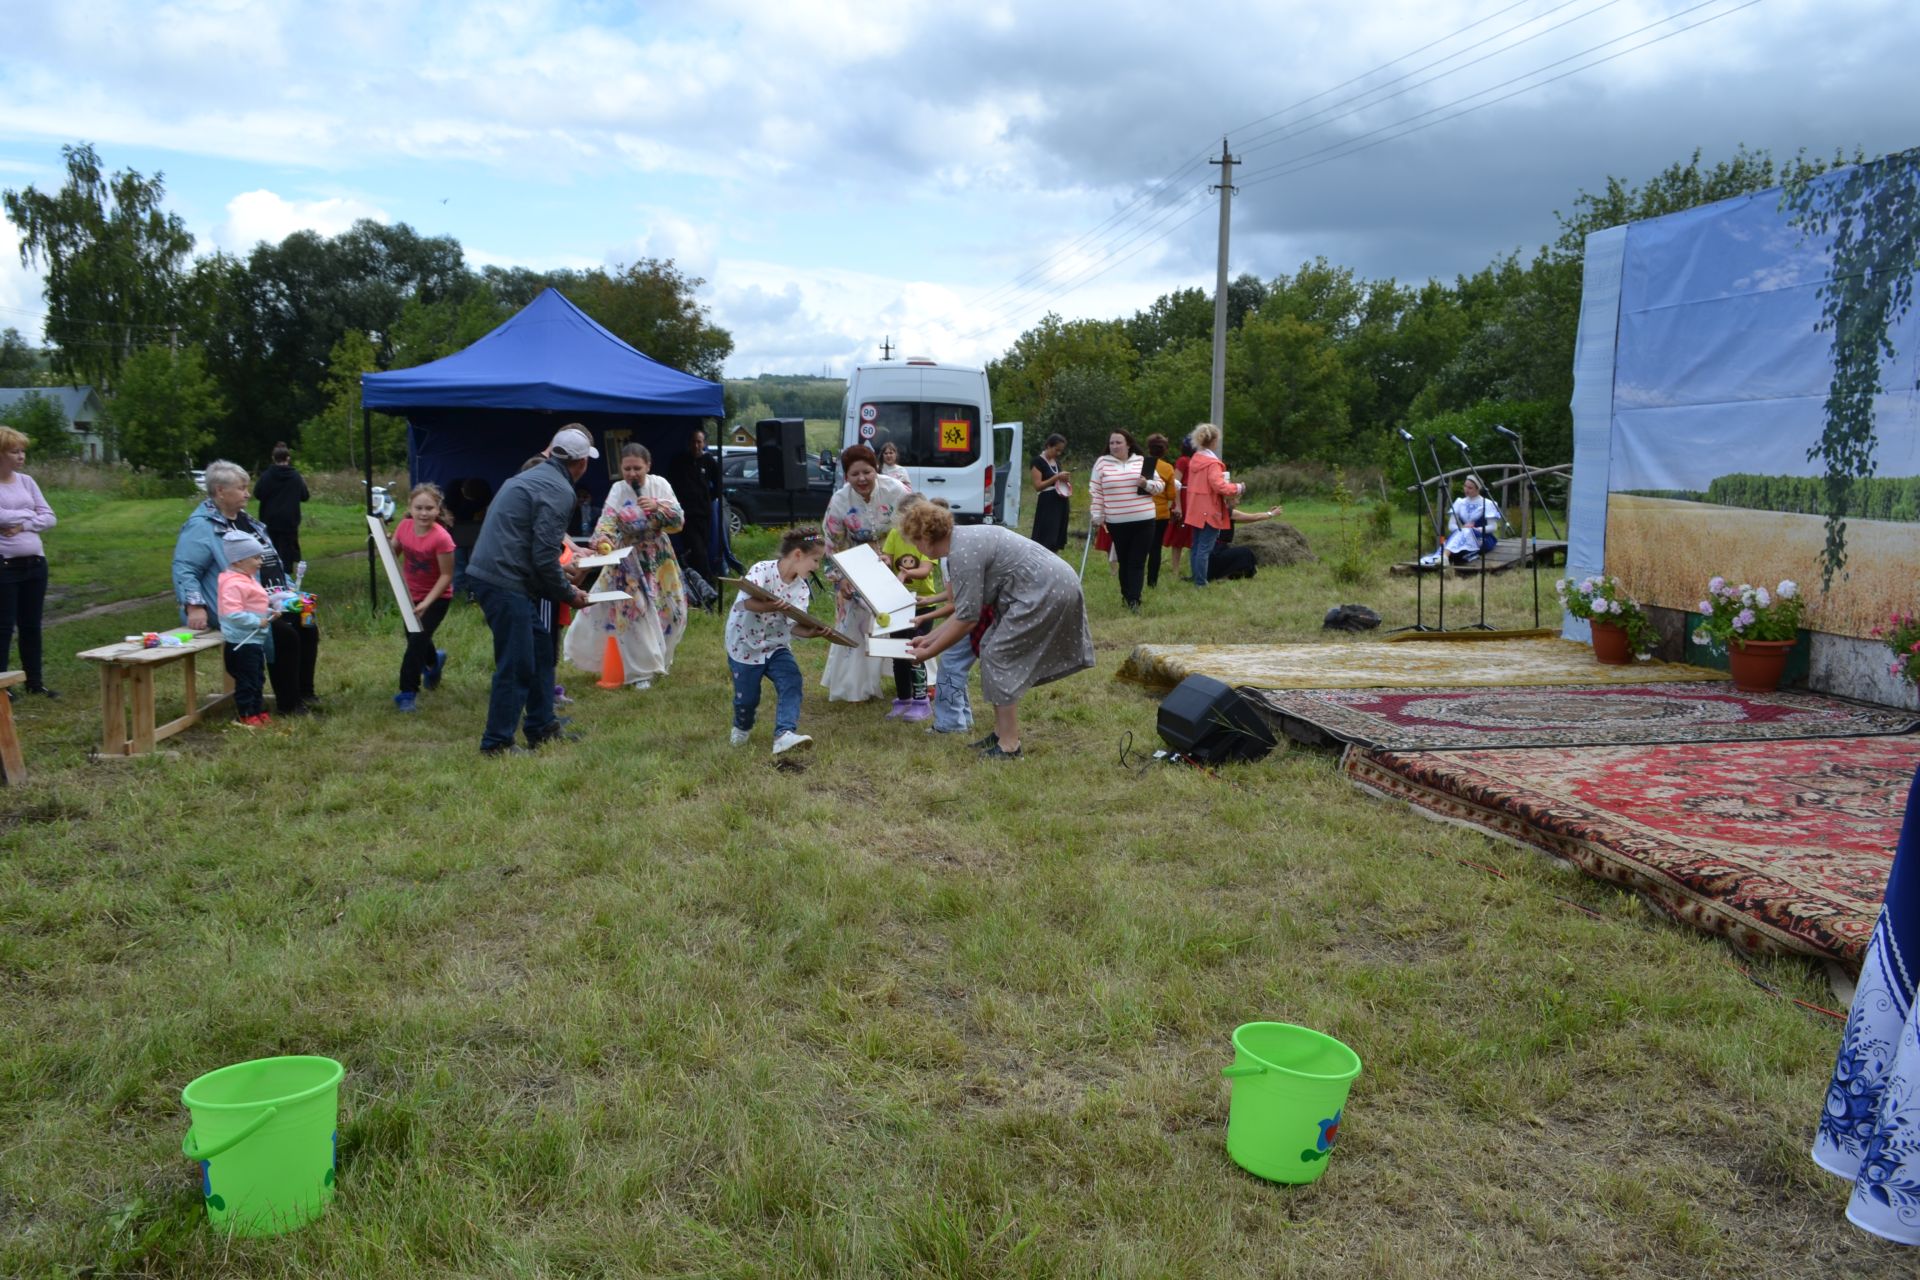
(869, 413)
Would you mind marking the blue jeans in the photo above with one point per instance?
(1203, 540)
(952, 709)
(520, 684)
(787, 684)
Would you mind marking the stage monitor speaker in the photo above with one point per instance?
(782, 444)
(1204, 720)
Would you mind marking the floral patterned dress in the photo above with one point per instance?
(1869, 1131)
(647, 628)
(852, 676)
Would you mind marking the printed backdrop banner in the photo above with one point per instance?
(1720, 373)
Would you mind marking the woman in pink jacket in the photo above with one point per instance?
(1207, 494)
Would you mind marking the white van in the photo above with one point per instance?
(940, 417)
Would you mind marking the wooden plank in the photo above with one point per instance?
(10, 758)
(8, 679)
(141, 741)
(113, 710)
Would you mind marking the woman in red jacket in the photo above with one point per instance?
(1207, 494)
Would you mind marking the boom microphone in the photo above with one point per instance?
(1405, 434)
(1458, 441)
(1511, 435)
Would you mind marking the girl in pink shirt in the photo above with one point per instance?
(425, 547)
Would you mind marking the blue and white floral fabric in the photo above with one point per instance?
(1870, 1126)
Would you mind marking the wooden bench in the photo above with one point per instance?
(127, 669)
(10, 758)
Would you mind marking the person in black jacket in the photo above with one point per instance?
(696, 482)
(281, 491)
(515, 564)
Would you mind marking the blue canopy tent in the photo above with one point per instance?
(483, 411)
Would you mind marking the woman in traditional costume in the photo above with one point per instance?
(861, 510)
(1471, 521)
(641, 511)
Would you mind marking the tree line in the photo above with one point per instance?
(224, 354)
(1323, 365)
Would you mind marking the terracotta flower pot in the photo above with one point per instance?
(1610, 645)
(1757, 665)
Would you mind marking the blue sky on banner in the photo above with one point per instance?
(943, 174)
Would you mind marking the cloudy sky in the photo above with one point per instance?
(942, 174)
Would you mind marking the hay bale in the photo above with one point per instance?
(1274, 542)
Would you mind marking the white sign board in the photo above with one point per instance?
(878, 589)
(378, 532)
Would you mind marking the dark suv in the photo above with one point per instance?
(748, 503)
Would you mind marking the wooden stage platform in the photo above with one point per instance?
(1508, 553)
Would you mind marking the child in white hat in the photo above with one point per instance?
(246, 622)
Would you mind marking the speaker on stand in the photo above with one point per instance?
(782, 447)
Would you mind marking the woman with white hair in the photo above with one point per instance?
(198, 558)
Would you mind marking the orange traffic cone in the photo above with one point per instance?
(613, 672)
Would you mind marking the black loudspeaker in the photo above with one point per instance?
(1208, 722)
(782, 443)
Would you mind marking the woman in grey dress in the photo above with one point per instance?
(1039, 629)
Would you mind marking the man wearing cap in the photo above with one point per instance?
(515, 563)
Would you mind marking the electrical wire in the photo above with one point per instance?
(1345, 148)
(1155, 189)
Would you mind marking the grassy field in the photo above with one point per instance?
(648, 1005)
(1643, 533)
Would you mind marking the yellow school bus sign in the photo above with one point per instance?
(956, 435)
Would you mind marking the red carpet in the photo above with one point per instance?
(1780, 846)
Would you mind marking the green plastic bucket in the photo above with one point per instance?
(1289, 1091)
(266, 1136)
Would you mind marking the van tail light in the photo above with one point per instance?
(986, 495)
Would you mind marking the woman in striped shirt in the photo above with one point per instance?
(1123, 488)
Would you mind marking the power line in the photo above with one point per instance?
(1346, 148)
(1040, 268)
(1267, 139)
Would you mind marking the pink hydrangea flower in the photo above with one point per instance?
(1715, 583)
(1706, 606)
(1743, 619)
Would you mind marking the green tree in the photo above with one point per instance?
(1173, 393)
(1021, 378)
(429, 331)
(332, 439)
(1084, 404)
(19, 362)
(1290, 399)
(164, 408)
(44, 422)
(113, 261)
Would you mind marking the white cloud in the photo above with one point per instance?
(256, 216)
(22, 305)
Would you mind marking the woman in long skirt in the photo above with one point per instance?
(641, 511)
(861, 510)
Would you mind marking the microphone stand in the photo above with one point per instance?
(1480, 534)
(1446, 509)
(1528, 490)
(1419, 596)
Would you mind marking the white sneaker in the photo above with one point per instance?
(738, 737)
(642, 683)
(790, 741)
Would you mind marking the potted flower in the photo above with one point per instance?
(1757, 628)
(1621, 631)
(1902, 636)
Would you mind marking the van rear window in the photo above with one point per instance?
(926, 433)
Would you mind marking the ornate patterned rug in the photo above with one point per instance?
(1374, 664)
(1780, 846)
(1573, 715)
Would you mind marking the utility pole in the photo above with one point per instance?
(1218, 408)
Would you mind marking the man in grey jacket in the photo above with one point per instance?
(515, 565)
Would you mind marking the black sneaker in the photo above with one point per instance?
(556, 734)
(992, 740)
(508, 749)
(995, 753)
(43, 691)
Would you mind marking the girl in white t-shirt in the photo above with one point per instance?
(759, 638)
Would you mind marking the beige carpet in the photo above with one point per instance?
(1373, 664)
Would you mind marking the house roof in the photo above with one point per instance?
(80, 404)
